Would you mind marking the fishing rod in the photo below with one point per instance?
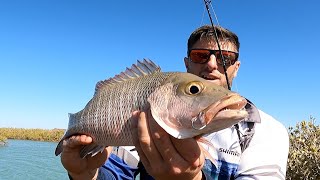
(242, 141)
(207, 2)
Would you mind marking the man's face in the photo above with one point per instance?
(212, 70)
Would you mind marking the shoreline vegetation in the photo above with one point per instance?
(50, 135)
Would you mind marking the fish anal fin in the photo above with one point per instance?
(91, 149)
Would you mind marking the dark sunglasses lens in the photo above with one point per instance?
(229, 57)
(199, 55)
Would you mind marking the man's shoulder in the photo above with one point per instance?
(268, 150)
(270, 132)
(270, 124)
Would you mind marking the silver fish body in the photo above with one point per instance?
(107, 114)
(183, 104)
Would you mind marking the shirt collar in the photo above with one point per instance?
(253, 112)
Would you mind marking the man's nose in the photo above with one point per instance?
(212, 63)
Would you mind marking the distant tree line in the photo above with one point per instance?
(53, 135)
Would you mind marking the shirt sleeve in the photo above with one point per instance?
(267, 154)
(115, 168)
(209, 170)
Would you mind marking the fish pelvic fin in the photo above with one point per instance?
(137, 70)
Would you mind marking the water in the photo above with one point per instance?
(25, 160)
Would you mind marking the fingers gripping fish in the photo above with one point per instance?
(183, 104)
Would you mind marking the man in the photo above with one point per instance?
(256, 148)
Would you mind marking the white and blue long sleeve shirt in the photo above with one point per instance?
(264, 158)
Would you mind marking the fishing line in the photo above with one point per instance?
(216, 18)
(215, 15)
(207, 2)
(235, 87)
(202, 19)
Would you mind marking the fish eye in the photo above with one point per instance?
(194, 88)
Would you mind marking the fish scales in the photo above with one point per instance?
(106, 116)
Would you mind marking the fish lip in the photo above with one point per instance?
(233, 103)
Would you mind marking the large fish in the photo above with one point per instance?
(183, 104)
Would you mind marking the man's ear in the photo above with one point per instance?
(186, 63)
(236, 68)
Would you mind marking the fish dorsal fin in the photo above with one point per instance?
(137, 70)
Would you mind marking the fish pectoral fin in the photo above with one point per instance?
(92, 149)
(205, 151)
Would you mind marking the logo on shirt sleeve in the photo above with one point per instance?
(227, 151)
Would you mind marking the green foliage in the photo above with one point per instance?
(304, 154)
(32, 134)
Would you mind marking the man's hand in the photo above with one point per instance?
(164, 156)
(77, 167)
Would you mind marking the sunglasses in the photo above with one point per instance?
(202, 56)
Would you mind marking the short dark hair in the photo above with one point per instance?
(207, 31)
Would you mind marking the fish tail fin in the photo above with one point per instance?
(72, 121)
(92, 149)
(59, 148)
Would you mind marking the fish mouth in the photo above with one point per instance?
(230, 107)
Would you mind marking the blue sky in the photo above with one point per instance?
(52, 53)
